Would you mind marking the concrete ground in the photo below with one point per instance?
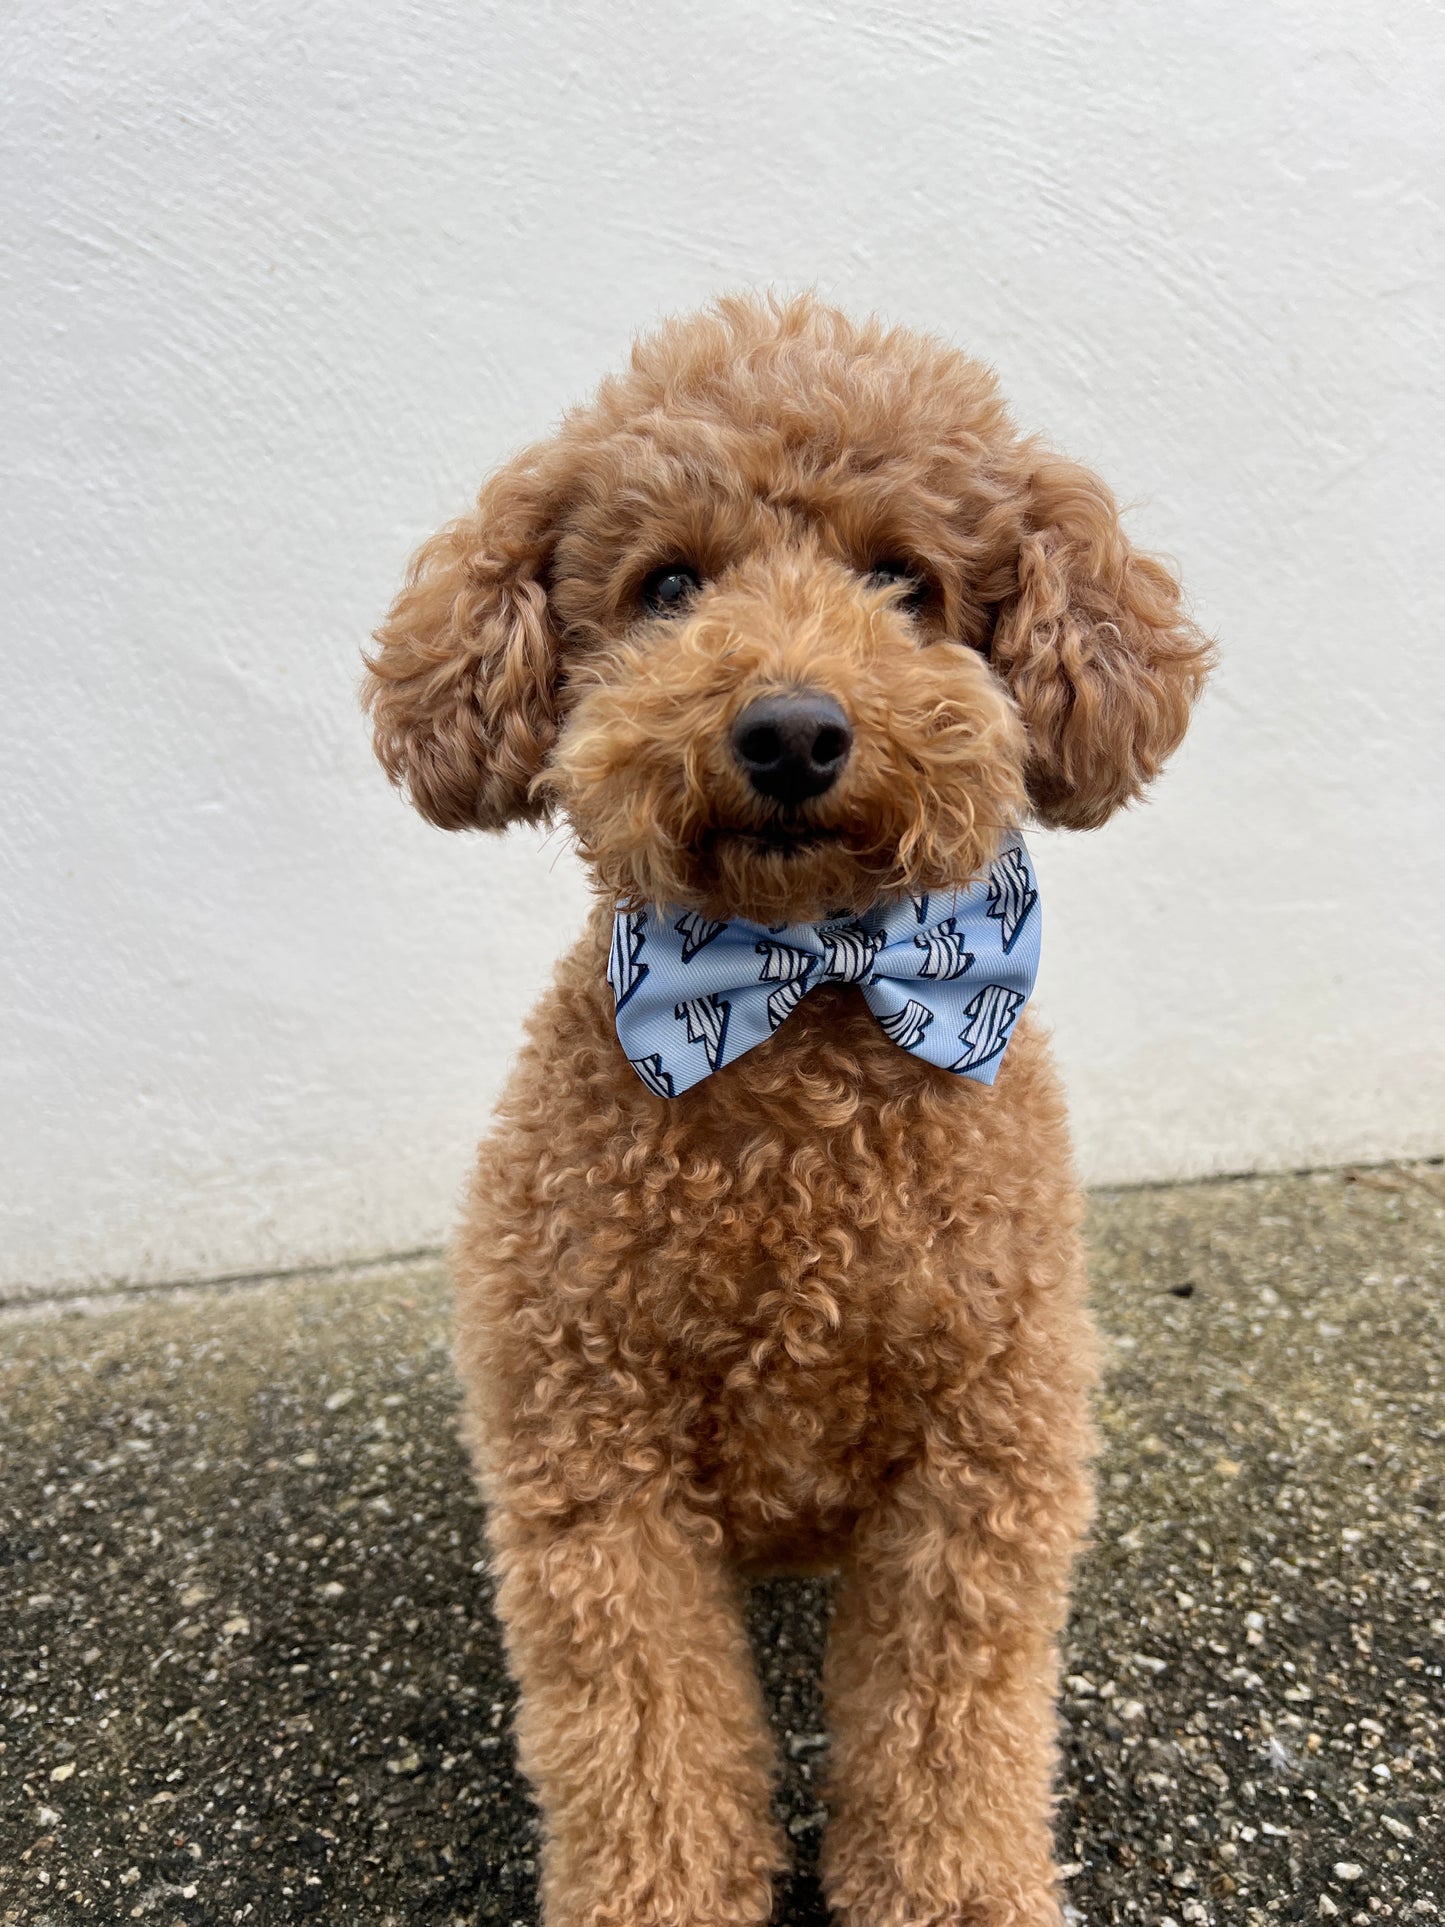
(248, 1671)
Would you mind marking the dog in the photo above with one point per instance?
(795, 630)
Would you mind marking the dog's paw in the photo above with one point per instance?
(994, 1907)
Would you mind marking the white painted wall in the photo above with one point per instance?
(281, 282)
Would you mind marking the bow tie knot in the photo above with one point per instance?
(846, 957)
(938, 972)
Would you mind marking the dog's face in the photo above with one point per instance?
(787, 619)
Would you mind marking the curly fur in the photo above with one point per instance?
(827, 1309)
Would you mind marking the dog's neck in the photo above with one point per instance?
(945, 974)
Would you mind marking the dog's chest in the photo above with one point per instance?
(766, 1290)
(810, 1287)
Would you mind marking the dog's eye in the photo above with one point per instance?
(670, 588)
(913, 587)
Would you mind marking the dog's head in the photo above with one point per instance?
(788, 618)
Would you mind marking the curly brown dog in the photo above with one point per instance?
(825, 1309)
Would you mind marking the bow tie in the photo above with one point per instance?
(946, 975)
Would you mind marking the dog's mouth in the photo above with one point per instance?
(774, 839)
(779, 871)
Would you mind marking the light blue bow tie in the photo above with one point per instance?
(946, 975)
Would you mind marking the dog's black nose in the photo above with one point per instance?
(792, 747)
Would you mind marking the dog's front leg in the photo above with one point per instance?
(641, 1726)
(940, 1675)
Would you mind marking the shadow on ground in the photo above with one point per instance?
(249, 1671)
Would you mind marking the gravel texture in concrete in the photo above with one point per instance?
(248, 1670)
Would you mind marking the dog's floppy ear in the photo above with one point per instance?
(1094, 644)
(462, 684)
